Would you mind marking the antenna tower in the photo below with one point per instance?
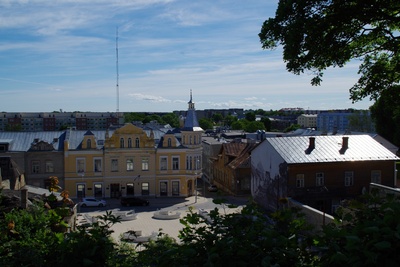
(116, 51)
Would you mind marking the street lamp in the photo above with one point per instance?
(197, 167)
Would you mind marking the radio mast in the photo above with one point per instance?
(117, 87)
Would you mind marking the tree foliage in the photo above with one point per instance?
(319, 34)
(386, 115)
(206, 123)
(366, 232)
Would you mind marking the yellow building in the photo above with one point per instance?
(130, 161)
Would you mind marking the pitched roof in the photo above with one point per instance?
(243, 159)
(22, 141)
(297, 149)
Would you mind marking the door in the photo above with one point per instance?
(114, 191)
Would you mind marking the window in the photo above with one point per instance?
(376, 176)
(319, 179)
(49, 166)
(129, 142)
(163, 188)
(163, 163)
(89, 143)
(175, 163)
(80, 165)
(97, 165)
(348, 178)
(114, 165)
(137, 143)
(300, 180)
(145, 164)
(35, 166)
(169, 142)
(145, 189)
(129, 164)
(175, 188)
(121, 143)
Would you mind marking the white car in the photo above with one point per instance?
(93, 202)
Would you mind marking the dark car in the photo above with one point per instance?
(134, 201)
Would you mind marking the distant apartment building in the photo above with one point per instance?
(54, 121)
(307, 120)
(345, 120)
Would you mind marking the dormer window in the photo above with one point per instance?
(89, 143)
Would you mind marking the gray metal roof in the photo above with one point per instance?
(75, 137)
(22, 141)
(295, 149)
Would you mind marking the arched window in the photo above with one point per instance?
(169, 142)
(137, 142)
(129, 142)
(89, 143)
(121, 143)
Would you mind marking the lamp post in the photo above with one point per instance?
(197, 168)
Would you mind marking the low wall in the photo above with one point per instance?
(313, 216)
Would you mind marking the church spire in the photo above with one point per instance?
(191, 104)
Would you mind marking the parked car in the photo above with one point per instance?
(134, 201)
(92, 202)
(212, 188)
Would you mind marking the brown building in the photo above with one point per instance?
(319, 171)
(232, 168)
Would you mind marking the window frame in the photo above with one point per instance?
(163, 163)
(175, 163)
(300, 180)
(49, 166)
(114, 165)
(129, 164)
(95, 165)
(374, 176)
(80, 165)
(145, 164)
(348, 178)
(35, 166)
(319, 179)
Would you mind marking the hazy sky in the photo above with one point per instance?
(61, 54)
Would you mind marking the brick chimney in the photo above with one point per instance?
(345, 144)
(311, 144)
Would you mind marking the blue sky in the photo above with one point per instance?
(61, 54)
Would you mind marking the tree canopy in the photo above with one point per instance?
(318, 34)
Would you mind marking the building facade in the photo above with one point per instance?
(319, 171)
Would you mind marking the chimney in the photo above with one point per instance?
(345, 145)
(311, 146)
(312, 143)
(345, 142)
